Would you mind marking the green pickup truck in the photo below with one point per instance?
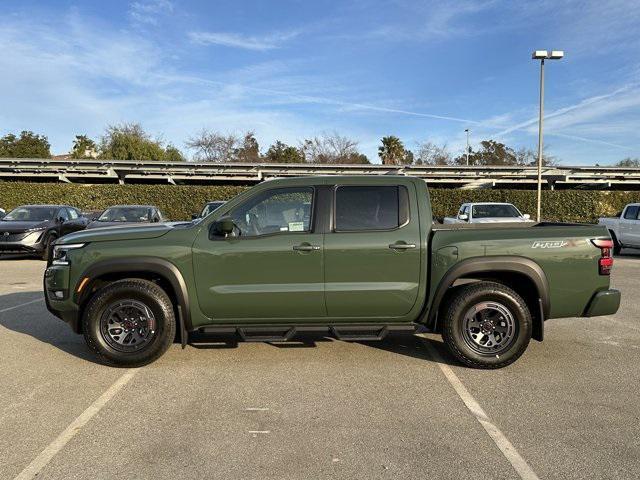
(353, 257)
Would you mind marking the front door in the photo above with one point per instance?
(372, 255)
(271, 267)
(630, 226)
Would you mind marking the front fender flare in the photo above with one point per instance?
(155, 265)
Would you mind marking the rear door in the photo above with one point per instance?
(372, 253)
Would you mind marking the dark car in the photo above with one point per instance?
(33, 228)
(208, 208)
(128, 215)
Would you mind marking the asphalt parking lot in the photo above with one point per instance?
(402, 408)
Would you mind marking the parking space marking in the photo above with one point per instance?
(21, 305)
(41, 461)
(508, 450)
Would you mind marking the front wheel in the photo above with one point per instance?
(129, 323)
(487, 325)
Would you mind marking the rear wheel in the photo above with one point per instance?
(129, 323)
(487, 325)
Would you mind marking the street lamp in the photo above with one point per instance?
(467, 130)
(542, 55)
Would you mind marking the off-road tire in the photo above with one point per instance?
(145, 292)
(453, 324)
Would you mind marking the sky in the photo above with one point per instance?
(289, 70)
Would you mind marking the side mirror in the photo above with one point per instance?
(463, 216)
(59, 220)
(223, 227)
(194, 216)
(526, 216)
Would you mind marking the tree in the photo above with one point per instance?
(249, 150)
(212, 146)
(431, 154)
(526, 156)
(332, 148)
(83, 147)
(492, 153)
(280, 152)
(629, 162)
(392, 152)
(173, 154)
(28, 145)
(129, 141)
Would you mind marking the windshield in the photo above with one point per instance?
(31, 214)
(125, 214)
(495, 211)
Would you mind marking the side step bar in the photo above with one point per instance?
(284, 333)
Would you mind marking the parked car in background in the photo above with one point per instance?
(493, 212)
(128, 215)
(355, 257)
(624, 228)
(208, 208)
(33, 228)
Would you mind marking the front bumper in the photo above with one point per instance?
(57, 296)
(27, 242)
(604, 302)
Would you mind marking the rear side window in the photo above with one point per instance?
(371, 208)
(631, 213)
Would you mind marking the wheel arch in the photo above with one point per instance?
(161, 271)
(521, 274)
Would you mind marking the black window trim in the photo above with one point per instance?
(312, 219)
(335, 204)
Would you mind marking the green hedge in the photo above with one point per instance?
(180, 201)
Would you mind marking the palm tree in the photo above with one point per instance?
(392, 151)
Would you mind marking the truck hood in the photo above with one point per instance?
(97, 224)
(107, 234)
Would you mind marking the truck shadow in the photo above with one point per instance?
(34, 320)
(415, 347)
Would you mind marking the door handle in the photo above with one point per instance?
(402, 246)
(306, 247)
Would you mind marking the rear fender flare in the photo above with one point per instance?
(489, 265)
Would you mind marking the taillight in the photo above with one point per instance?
(605, 262)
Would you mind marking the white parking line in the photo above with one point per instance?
(38, 463)
(21, 305)
(508, 450)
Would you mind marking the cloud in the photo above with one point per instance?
(148, 12)
(235, 40)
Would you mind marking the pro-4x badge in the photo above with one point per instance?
(550, 244)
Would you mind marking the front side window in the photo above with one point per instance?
(280, 210)
(370, 208)
(632, 212)
(73, 214)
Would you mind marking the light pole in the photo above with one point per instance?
(467, 130)
(542, 55)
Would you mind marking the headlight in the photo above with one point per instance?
(35, 229)
(60, 253)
